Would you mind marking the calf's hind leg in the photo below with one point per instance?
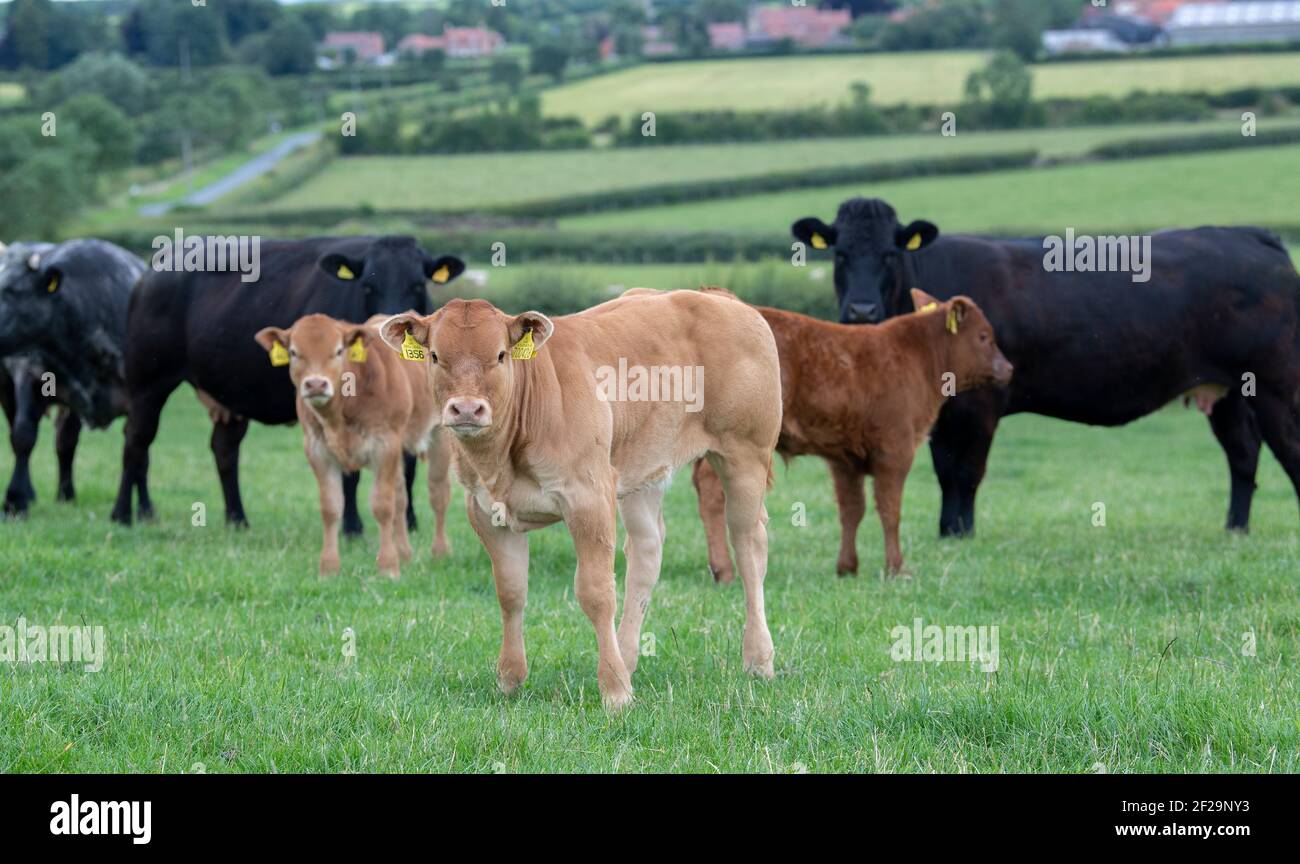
(1279, 420)
(1234, 424)
(226, 438)
(644, 549)
(439, 479)
(713, 513)
(67, 432)
(141, 428)
(744, 482)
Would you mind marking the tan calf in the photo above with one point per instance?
(545, 431)
(360, 407)
(864, 398)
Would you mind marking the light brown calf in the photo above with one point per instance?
(360, 406)
(577, 431)
(864, 398)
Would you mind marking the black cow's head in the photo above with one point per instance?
(869, 247)
(391, 272)
(30, 279)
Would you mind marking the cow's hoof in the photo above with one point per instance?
(722, 575)
(145, 514)
(237, 521)
(616, 701)
(846, 568)
(411, 524)
(121, 518)
(510, 674)
(14, 511)
(405, 553)
(1241, 530)
(329, 565)
(760, 667)
(441, 548)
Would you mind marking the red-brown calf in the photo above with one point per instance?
(864, 398)
(360, 407)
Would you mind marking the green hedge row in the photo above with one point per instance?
(1197, 143)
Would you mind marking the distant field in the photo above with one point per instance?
(931, 78)
(1256, 187)
(10, 92)
(457, 182)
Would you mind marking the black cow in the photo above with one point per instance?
(1217, 321)
(62, 323)
(199, 326)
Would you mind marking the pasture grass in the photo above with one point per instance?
(1120, 647)
(1252, 187)
(436, 183)
(925, 78)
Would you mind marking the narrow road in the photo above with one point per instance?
(249, 171)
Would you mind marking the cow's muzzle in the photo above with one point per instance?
(467, 416)
(862, 313)
(1002, 370)
(316, 390)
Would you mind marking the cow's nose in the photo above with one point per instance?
(467, 412)
(1003, 370)
(862, 313)
(316, 385)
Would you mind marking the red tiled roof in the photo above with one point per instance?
(366, 46)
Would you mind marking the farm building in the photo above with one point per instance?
(455, 41)
(360, 47)
(805, 26)
(1235, 23)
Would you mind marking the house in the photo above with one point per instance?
(472, 41)
(417, 44)
(727, 36)
(1156, 11)
(359, 47)
(1235, 23)
(655, 43)
(806, 26)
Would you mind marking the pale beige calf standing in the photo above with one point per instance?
(360, 407)
(536, 443)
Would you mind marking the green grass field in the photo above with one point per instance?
(1120, 646)
(927, 78)
(458, 182)
(1254, 188)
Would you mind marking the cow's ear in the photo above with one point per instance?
(958, 309)
(443, 270)
(920, 299)
(918, 235)
(342, 267)
(813, 232)
(50, 279)
(534, 323)
(394, 330)
(269, 337)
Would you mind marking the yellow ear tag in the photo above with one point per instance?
(53, 284)
(412, 350)
(818, 241)
(441, 275)
(357, 351)
(951, 323)
(524, 348)
(345, 272)
(929, 307)
(279, 355)
(914, 243)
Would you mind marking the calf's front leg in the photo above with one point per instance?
(329, 482)
(509, 553)
(889, 475)
(591, 523)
